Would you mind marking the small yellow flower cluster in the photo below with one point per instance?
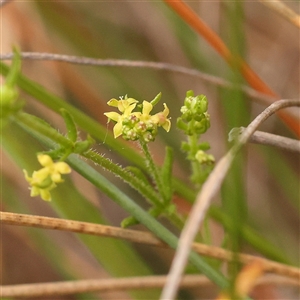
(45, 179)
(137, 125)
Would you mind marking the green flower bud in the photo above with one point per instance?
(204, 146)
(148, 137)
(8, 96)
(45, 184)
(185, 146)
(204, 158)
(201, 104)
(181, 124)
(202, 126)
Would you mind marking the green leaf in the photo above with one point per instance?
(156, 99)
(70, 124)
(83, 146)
(12, 76)
(139, 174)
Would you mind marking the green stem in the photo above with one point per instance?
(146, 190)
(118, 196)
(153, 171)
(163, 191)
(34, 125)
(196, 171)
(143, 217)
(31, 123)
(248, 234)
(42, 128)
(88, 124)
(14, 70)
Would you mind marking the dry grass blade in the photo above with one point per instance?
(209, 189)
(283, 10)
(79, 227)
(138, 237)
(93, 285)
(104, 285)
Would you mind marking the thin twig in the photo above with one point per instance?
(209, 189)
(93, 285)
(79, 227)
(283, 10)
(105, 285)
(265, 98)
(281, 142)
(138, 237)
(81, 60)
(269, 139)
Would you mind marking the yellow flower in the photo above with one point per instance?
(42, 189)
(134, 125)
(122, 104)
(145, 114)
(162, 120)
(45, 179)
(54, 169)
(126, 107)
(159, 119)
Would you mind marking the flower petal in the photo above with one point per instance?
(117, 129)
(147, 107)
(45, 160)
(62, 167)
(128, 110)
(40, 175)
(56, 177)
(113, 116)
(131, 100)
(45, 195)
(34, 191)
(113, 102)
(124, 104)
(167, 125)
(166, 110)
(28, 179)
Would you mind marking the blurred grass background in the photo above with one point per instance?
(263, 185)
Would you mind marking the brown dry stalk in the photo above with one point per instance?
(105, 285)
(281, 142)
(138, 237)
